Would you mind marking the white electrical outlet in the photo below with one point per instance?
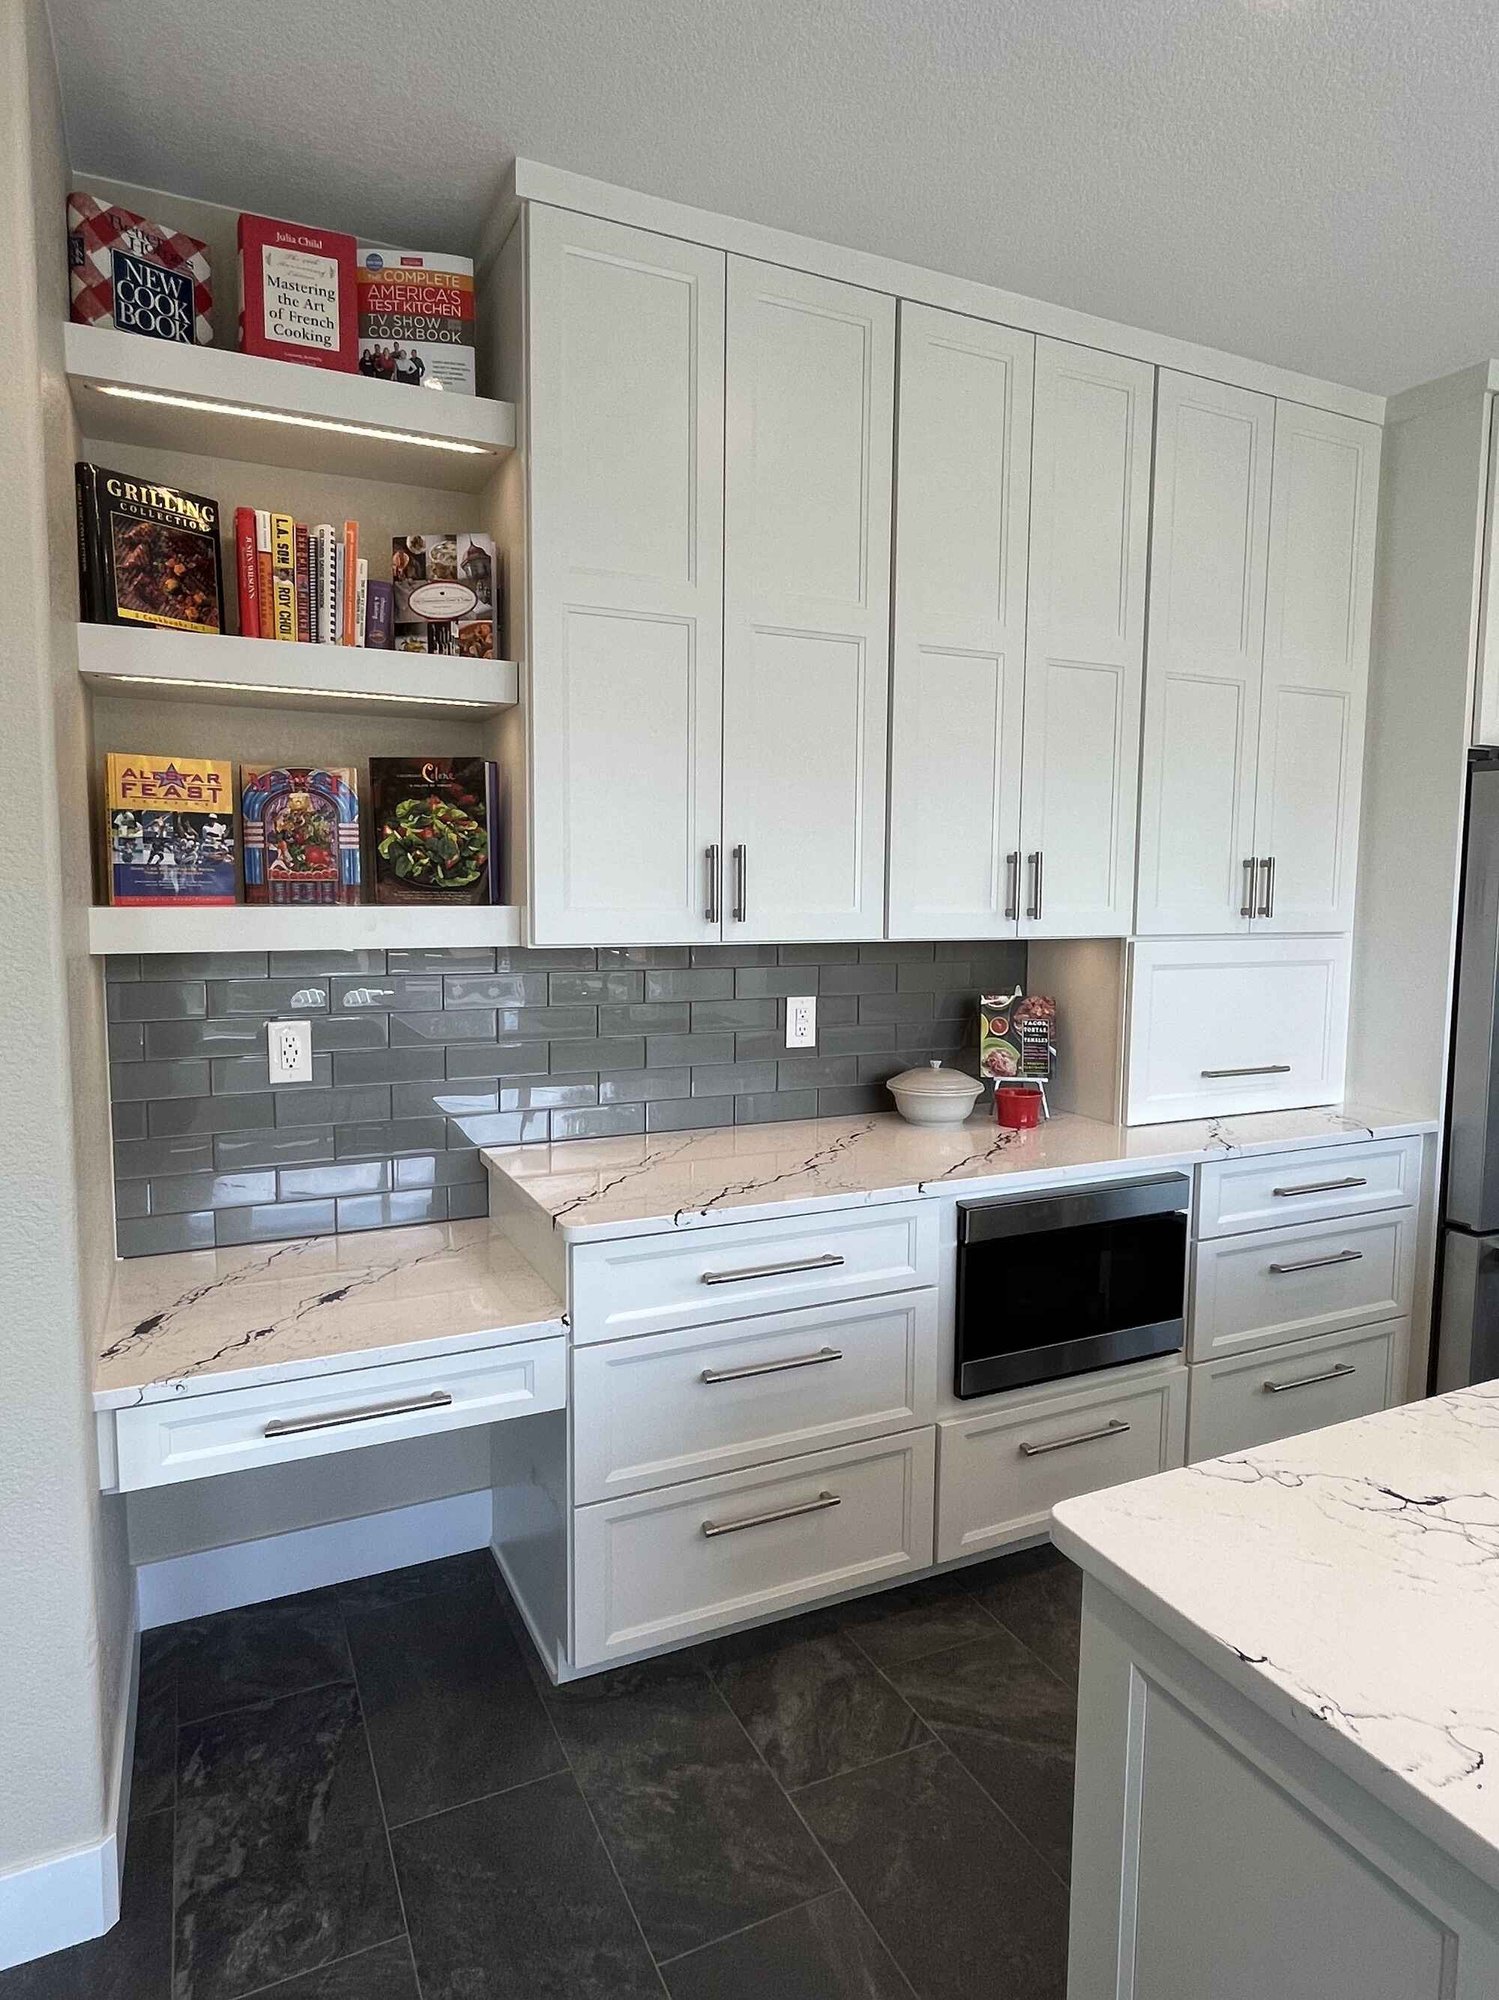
(290, 1051)
(801, 1022)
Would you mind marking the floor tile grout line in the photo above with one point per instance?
(754, 1924)
(1021, 1640)
(390, 1852)
(346, 1958)
(479, 1799)
(873, 1764)
(259, 1701)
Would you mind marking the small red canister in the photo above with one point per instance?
(1017, 1107)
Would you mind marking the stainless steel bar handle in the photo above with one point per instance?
(1324, 1187)
(715, 884)
(823, 1500)
(1267, 895)
(1305, 1381)
(1319, 1263)
(741, 891)
(1115, 1427)
(289, 1426)
(824, 1263)
(1034, 863)
(1012, 883)
(773, 1367)
(1256, 1069)
(1251, 879)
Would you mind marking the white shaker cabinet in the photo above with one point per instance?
(625, 461)
(1085, 634)
(810, 420)
(963, 484)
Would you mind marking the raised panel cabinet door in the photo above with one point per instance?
(1085, 640)
(811, 402)
(963, 470)
(1209, 545)
(625, 676)
(1323, 511)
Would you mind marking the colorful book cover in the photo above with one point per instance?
(284, 578)
(379, 606)
(247, 572)
(325, 615)
(297, 293)
(304, 584)
(169, 829)
(263, 567)
(436, 822)
(128, 272)
(444, 595)
(348, 582)
(147, 554)
(301, 835)
(416, 319)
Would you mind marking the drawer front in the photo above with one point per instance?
(1226, 1025)
(645, 1284)
(1273, 1191)
(1001, 1474)
(1280, 1392)
(226, 1431)
(1283, 1284)
(663, 1567)
(673, 1406)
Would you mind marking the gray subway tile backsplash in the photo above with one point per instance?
(423, 1057)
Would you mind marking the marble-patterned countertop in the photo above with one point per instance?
(677, 1180)
(227, 1319)
(1348, 1583)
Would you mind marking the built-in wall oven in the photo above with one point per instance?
(1063, 1283)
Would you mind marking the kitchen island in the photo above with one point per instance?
(1288, 1732)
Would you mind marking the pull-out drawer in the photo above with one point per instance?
(1283, 1284)
(1279, 1392)
(1269, 1191)
(672, 1406)
(663, 1567)
(1226, 1025)
(694, 1277)
(1000, 1474)
(228, 1430)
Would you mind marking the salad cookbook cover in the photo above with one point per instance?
(169, 829)
(436, 829)
(301, 835)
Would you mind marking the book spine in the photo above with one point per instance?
(492, 825)
(247, 568)
(377, 615)
(339, 585)
(263, 567)
(350, 575)
(361, 598)
(88, 541)
(327, 629)
(284, 574)
(304, 584)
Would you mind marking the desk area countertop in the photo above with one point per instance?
(203, 1320)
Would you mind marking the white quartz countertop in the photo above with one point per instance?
(1348, 1583)
(677, 1180)
(224, 1319)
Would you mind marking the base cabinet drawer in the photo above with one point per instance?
(695, 1277)
(1277, 1190)
(663, 1567)
(1219, 1026)
(229, 1430)
(1280, 1392)
(1284, 1284)
(1001, 1474)
(671, 1406)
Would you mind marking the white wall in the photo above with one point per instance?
(64, 1581)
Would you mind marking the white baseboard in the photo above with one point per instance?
(209, 1580)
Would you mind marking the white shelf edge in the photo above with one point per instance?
(256, 927)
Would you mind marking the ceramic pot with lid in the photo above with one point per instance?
(934, 1095)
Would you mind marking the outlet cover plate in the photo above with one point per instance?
(801, 1021)
(289, 1048)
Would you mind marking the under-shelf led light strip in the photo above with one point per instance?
(284, 417)
(292, 694)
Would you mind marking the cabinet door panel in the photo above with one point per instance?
(1323, 512)
(1090, 503)
(1209, 547)
(963, 494)
(625, 460)
(811, 374)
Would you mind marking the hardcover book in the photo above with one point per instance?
(297, 293)
(147, 554)
(169, 829)
(416, 319)
(444, 594)
(128, 272)
(436, 822)
(301, 835)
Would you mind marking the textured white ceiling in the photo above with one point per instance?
(1312, 182)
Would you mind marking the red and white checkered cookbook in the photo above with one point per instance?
(128, 272)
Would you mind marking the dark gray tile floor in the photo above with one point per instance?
(372, 1793)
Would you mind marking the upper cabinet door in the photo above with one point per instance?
(811, 388)
(1085, 632)
(1209, 543)
(962, 522)
(625, 459)
(1323, 513)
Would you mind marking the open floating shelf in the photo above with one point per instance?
(257, 927)
(221, 404)
(260, 673)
